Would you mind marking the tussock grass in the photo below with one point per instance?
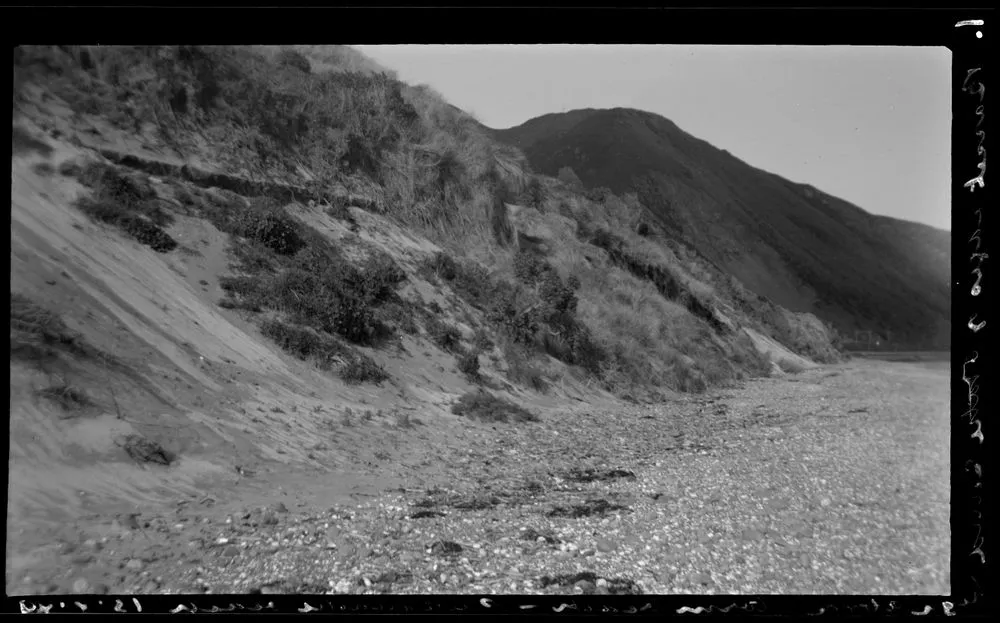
(44, 169)
(468, 364)
(484, 406)
(444, 335)
(67, 396)
(38, 334)
(24, 143)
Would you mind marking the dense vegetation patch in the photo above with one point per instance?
(124, 201)
(483, 405)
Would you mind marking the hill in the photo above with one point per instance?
(230, 261)
(801, 248)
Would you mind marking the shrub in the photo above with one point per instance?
(304, 343)
(606, 240)
(485, 406)
(363, 369)
(319, 289)
(447, 337)
(67, 396)
(568, 176)
(482, 341)
(338, 210)
(267, 223)
(70, 168)
(147, 233)
(535, 194)
(529, 268)
(442, 265)
(557, 297)
(22, 142)
(401, 313)
(642, 229)
(37, 333)
(126, 202)
(520, 368)
(43, 169)
(117, 186)
(379, 277)
(517, 322)
(598, 194)
(254, 258)
(468, 364)
(292, 58)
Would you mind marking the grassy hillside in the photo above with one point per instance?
(799, 247)
(575, 290)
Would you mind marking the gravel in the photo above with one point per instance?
(775, 487)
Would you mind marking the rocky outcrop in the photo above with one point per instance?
(286, 193)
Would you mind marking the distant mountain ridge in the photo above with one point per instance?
(802, 248)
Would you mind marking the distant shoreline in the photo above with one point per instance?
(910, 355)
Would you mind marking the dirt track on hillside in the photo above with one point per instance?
(834, 481)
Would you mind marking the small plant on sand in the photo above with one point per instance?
(403, 419)
(483, 405)
(69, 397)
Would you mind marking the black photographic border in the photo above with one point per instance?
(972, 323)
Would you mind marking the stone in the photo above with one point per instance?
(604, 545)
(81, 586)
(269, 518)
(134, 565)
(701, 578)
(585, 586)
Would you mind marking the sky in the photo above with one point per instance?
(868, 124)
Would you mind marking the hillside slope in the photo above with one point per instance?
(246, 275)
(803, 249)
